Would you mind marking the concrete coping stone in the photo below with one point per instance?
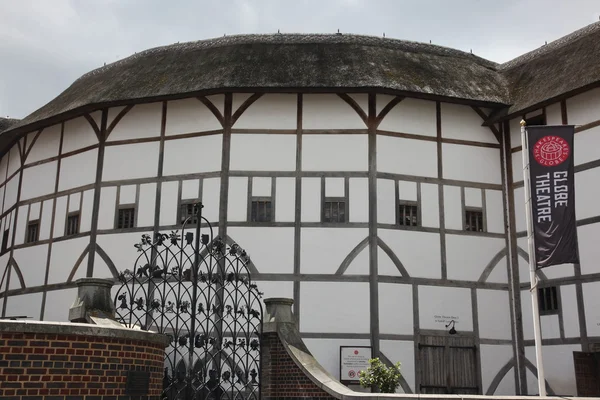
(80, 329)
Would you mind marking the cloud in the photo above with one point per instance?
(46, 45)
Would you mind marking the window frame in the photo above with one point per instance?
(186, 203)
(474, 210)
(537, 120)
(405, 203)
(78, 228)
(123, 207)
(33, 223)
(5, 245)
(338, 200)
(554, 292)
(258, 199)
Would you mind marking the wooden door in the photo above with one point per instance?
(587, 373)
(448, 365)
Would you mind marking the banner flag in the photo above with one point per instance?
(551, 176)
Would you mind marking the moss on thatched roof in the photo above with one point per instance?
(290, 62)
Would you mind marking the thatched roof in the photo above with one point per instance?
(554, 70)
(289, 62)
(283, 61)
(6, 123)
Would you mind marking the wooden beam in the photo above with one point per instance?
(118, 118)
(485, 117)
(352, 103)
(94, 126)
(213, 109)
(388, 107)
(238, 113)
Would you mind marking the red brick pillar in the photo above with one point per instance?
(282, 376)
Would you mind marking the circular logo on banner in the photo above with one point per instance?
(351, 373)
(355, 352)
(551, 151)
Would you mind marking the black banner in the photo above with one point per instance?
(552, 194)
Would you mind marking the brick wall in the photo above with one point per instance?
(68, 366)
(281, 377)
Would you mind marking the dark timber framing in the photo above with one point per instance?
(520, 370)
(298, 211)
(101, 134)
(373, 269)
(53, 218)
(372, 120)
(440, 173)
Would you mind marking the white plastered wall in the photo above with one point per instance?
(32, 262)
(439, 305)
(334, 152)
(493, 358)
(39, 180)
(403, 351)
(395, 309)
(481, 251)
(406, 156)
(471, 163)
(328, 111)
(329, 307)
(494, 314)
(78, 133)
(285, 200)
(78, 170)
(64, 257)
(260, 244)
(419, 252)
(46, 145)
(256, 152)
(327, 351)
(281, 110)
(190, 116)
(559, 374)
(119, 163)
(142, 121)
(463, 123)
(318, 258)
(192, 155)
(411, 116)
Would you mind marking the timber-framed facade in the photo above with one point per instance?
(338, 160)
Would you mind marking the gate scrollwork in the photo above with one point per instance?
(198, 291)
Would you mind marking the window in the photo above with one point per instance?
(408, 214)
(261, 211)
(536, 120)
(474, 220)
(548, 300)
(33, 231)
(188, 210)
(5, 240)
(334, 210)
(72, 224)
(126, 218)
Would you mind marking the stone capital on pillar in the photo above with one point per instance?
(279, 310)
(93, 300)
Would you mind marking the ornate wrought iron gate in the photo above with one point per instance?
(197, 290)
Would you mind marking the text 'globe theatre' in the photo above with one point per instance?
(376, 182)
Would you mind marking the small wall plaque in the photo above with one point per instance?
(138, 383)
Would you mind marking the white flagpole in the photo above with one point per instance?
(532, 264)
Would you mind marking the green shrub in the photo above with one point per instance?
(385, 378)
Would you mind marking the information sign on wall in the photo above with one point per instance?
(353, 359)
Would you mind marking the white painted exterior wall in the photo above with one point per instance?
(434, 269)
(578, 289)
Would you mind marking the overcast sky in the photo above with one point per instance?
(46, 44)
